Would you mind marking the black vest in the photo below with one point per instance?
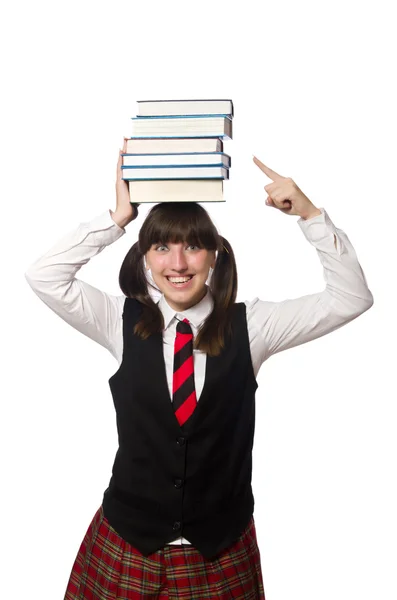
(192, 481)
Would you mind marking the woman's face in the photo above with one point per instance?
(181, 261)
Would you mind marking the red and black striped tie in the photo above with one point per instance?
(183, 388)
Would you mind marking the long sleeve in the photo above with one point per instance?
(53, 279)
(277, 326)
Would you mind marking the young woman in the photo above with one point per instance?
(176, 520)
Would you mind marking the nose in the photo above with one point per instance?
(177, 260)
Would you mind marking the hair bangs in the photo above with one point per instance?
(180, 223)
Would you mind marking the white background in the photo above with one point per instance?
(313, 86)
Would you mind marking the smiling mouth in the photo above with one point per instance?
(179, 282)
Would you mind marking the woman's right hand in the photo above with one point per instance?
(125, 209)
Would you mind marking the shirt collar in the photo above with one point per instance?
(196, 314)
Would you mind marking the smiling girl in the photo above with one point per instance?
(176, 520)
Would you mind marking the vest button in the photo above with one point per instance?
(180, 441)
(176, 525)
(178, 483)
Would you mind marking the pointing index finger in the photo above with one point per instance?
(269, 172)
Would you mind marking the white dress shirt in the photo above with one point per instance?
(272, 326)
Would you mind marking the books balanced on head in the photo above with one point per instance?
(175, 153)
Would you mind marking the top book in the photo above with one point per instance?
(165, 108)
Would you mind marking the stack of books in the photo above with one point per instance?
(175, 153)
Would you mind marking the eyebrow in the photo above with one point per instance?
(169, 242)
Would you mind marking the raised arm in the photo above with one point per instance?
(52, 277)
(276, 326)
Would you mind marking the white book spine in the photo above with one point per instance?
(202, 190)
(185, 172)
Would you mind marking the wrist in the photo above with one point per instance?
(310, 215)
(120, 219)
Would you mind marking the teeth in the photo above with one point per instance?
(178, 279)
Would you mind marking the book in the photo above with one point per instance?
(176, 190)
(189, 126)
(175, 159)
(150, 145)
(175, 152)
(183, 172)
(153, 108)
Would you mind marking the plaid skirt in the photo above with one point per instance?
(109, 568)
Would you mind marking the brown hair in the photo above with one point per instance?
(182, 222)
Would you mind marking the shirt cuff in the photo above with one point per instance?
(317, 228)
(104, 221)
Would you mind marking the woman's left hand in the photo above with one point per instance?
(285, 195)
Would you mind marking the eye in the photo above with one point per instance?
(160, 247)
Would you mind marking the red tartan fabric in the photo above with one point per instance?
(109, 568)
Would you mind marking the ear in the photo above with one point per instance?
(213, 260)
